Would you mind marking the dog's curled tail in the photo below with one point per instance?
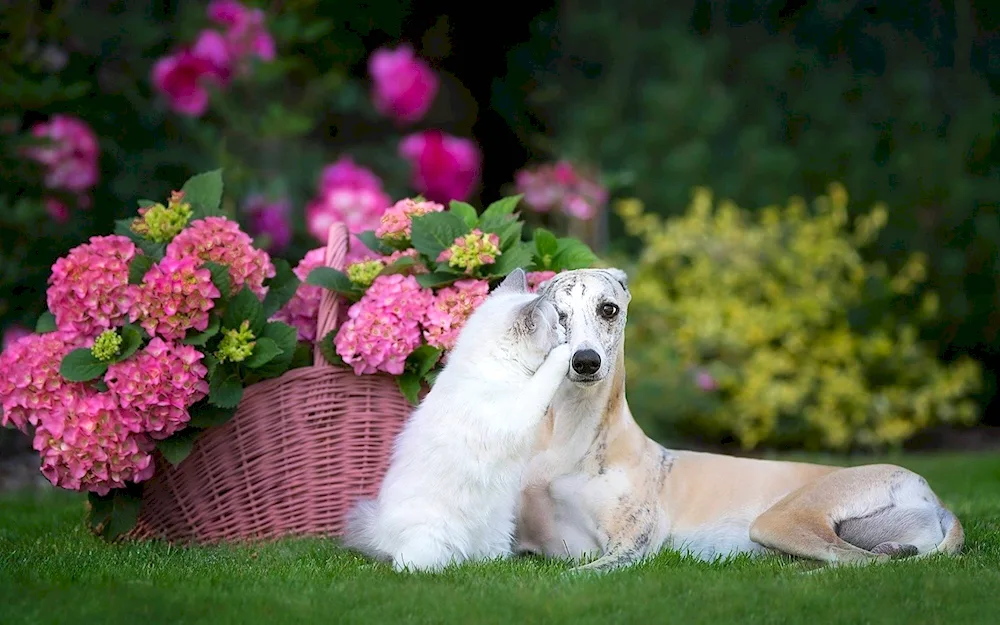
(359, 533)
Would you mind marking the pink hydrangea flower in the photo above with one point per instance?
(220, 240)
(347, 193)
(270, 218)
(160, 383)
(471, 251)
(71, 155)
(12, 334)
(92, 444)
(183, 76)
(176, 295)
(88, 288)
(30, 383)
(444, 167)
(396, 222)
(561, 186)
(415, 269)
(537, 278)
(403, 85)
(451, 308)
(302, 311)
(383, 327)
(246, 34)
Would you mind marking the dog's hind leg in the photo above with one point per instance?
(630, 529)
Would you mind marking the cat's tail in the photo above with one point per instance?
(359, 533)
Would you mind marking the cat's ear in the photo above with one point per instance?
(515, 282)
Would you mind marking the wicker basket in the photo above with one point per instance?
(297, 454)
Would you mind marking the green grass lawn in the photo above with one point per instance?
(53, 571)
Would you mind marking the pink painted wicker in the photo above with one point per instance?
(297, 454)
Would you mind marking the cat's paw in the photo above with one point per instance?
(559, 356)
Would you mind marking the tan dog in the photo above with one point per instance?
(598, 485)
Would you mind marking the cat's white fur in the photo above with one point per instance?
(452, 487)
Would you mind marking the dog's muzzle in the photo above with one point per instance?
(585, 365)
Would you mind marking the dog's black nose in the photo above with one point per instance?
(586, 362)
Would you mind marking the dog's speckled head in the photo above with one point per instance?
(592, 306)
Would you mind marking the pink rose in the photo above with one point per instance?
(445, 167)
(403, 86)
(182, 77)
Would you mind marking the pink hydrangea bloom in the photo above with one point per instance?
(220, 240)
(12, 334)
(561, 186)
(414, 269)
(30, 383)
(451, 308)
(184, 75)
(88, 288)
(536, 278)
(270, 218)
(160, 383)
(396, 221)
(70, 156)
(403, 85)
(347, 193)
(246, 34)
(444, 167)
(302, 311)
(176, 295)
(383, 327)
(92, 444)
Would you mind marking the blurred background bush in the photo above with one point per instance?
(825, 323)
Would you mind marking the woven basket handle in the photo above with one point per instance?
(329, 306)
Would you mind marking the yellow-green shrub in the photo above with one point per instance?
(773, 305)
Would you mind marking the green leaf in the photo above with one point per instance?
(572, 254)
(116, 513)
(81, 366)
(431, 377)
(131, 341)
(336, 281)
(373, 243)
(286, 338)
(401, 264)
(424, 358)
(204, 193)
(211, 363)
(225, 389)
(145, 203)
(466, 211)
(281, 288)
(510, 234)
(178, 447)
(437, 278)
(244, 307)
(201, 338)
(434, 232)
(409, 386)
(204, 415)
(520, 255)
(546, 246)
(138, 267)
(46, 323)
(264, 351)
(501, 208)
(220, 278)
(329, 350)
(152, 249)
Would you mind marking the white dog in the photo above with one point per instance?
(452, 489)
(598, 485)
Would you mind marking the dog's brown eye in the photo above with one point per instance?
(563, 317)
(609, 311)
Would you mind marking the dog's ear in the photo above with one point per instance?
(620, 276)
(515, 282)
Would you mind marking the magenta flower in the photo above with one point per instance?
(30, 383)
(704, 381)
(220, 240)
(444, 167)
(245, 32)
(271, 219)
(346, 193)
(88, 288)
(91, 444)
(396, 222)
(183, 76)
(302, 311)
(452, 306)
(536, 278)
(176, 295)
(403, 85)
(383, 327)
(70, 156)
(160, 383)
(560, 186)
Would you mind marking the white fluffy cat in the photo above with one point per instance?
(452, 486)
